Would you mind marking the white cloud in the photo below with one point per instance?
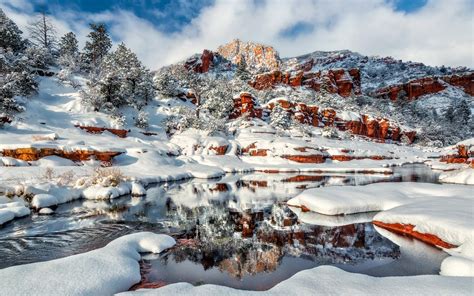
(439, 33)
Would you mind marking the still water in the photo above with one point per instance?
(235, 231)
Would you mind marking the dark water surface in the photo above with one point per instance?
(234, 231)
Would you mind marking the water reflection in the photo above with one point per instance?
(234, 231)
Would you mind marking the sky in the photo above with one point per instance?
(161, 32)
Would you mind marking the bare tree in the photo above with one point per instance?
(42, 32)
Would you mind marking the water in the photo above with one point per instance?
(235, 231)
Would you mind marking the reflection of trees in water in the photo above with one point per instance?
(251, 242)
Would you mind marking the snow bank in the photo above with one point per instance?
(106, 271)
(449, 219)
(465, 176)
(339, 200)
(100, 192)
(10, 210)
(329, 280)
(44, 200)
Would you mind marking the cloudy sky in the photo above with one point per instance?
(435, 32)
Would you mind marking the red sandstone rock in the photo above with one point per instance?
(407, 229)
(33, 154)
(98, 130)
(338, 81)
(314, 158)
(220, 150)
(202, 64)
(427, 85)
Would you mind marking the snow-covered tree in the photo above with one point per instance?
(96, 47)
(68, 51)
(42, 32)
(280, 117)
(121, 80)
(10, 34)
(242, 72)
(15, 81)
(142, 120)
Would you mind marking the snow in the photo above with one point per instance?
(46, 211)
(11, 209)
(373, 197)
(328, 280)
(463, 176)
(44, 200)
(448, 219)
(106, 271)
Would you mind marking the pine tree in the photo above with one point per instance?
(280, 117)
(121, 80)
(96, 47)
(463, 112)
(68, 50)
(241, 72)
(10, 34)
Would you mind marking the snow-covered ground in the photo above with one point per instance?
(106, 271)
(49, 122)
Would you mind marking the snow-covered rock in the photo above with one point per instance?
(106, 271)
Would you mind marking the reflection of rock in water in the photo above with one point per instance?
(251, 242)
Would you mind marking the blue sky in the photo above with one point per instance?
(435, 32)
(171, 15)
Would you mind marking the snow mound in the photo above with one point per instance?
(329, 280)
(10, 210)
(339, 200)
(106, 271)
(465, 176)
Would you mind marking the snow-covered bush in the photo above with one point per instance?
(142, 120)
(330, 132)
(280, 118)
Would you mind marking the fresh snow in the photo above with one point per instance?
(339, 200)
(463, 176)
(329, 280)
(106, 271)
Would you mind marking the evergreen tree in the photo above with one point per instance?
(121, 80)
(463, 112)
(68, 50)
(280, 117)
(96, 47)
(449, 114)
(10, 34)
(241, 72)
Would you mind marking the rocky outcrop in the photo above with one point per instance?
(427, 85)
(33, 154)
(201, 64)
(340, 81)
(358, 124)
(466, 82)
(257, 56)
(220, 150)
(460, 154)
(246, 105)
(98, 130)
(408, 229)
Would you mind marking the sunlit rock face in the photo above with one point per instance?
(33, 154)
(201, 64)
(337, 81)
(427, 85)
(461, 153)
(358, 124)
(258, 57)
